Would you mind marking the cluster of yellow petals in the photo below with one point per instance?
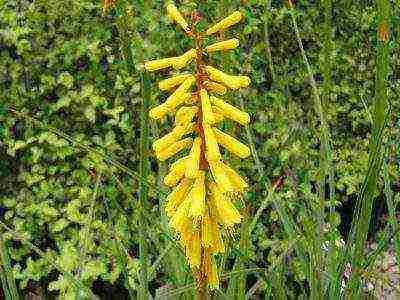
(200, 205)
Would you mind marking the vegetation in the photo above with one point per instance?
(82, 197)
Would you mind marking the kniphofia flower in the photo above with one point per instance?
(200, 205)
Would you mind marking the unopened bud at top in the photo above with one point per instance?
(175, 15)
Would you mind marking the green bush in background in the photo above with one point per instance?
(72, 87)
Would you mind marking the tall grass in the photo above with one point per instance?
(6, 274)
(367, 195)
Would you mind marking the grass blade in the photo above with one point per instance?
(6, 273)
(365, 200)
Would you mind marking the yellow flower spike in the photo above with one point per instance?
(212, 149)
(176, 16)
(193, 161)
(184, 59)
(208, 116)
(169, 83)
(230, 111)
(174, 148)
(181, 93)
(185, 115)
(159, 111)
(227, 211)
(200, 210)
(232, 144)
(158, 64)
(176, 197)
(215, 87)
(176, 172)
(197, 196)
(237, 181)
(225, 23)
(233, 82)
(224, 45)
(180, 219)
(172, 137)
(220, 177)
(218, 115)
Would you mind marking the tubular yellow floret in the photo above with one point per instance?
(232, 144)
(172, 137)
(176, 172)
(227, 22)
(184, 59)
(230, 111)
(176, 197)
(212, 149)
(210, 234)
(159, 111)
(180, 219)
(193, 161)
(208, 116)
(181, 93)
(170, 83)
(224, 45)
(185, 115)
(238, 183)
(158, 64)
(209, 270)
(220, 177)
(197, 197)
(233, 82)
(215, 87)
(193, 249)
(176, 16)
(226, 210)
(174, 148)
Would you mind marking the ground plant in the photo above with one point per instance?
(260, 159)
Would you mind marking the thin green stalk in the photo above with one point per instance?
(392, 210)
(143, 190)
(6, 273)
(325, 154)
(365, 200)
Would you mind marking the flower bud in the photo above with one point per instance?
(174, 148)
(212, 149)
(230, 111)
(224, 45)
(208, 116)
(226, 22)
(214, 87)
(176, 16)
(170, 83)
(193, 161)
(159, 64)
(184, 59)
(176, 172)
(232, 144)
(233, 82)
(176, 197)
(197, 197)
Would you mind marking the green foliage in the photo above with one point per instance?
(73, 69)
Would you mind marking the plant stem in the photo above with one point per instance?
(366, 197)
